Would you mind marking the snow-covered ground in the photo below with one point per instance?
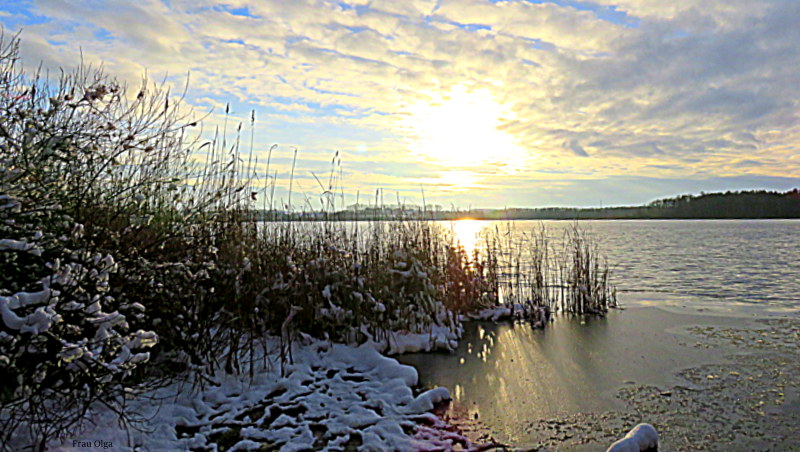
(334, 397)
(331, 397)
(438, 338)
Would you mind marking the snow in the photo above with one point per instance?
(537, 315)
(494, 314)
(429, 399)
(143, 339)
(437, 338)
(20, 245)
(106, 322)
(23, 299)
(36, 322)
(7, 202)
(332, 396)
(641, 438)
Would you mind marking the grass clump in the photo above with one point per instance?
(558, 274)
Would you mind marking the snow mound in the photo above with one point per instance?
(641, 438)
(539, 316)
(333, 397)
(438, 338)
(494, 314)
(428, 400)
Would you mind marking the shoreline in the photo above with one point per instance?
(365, 392)
(367, 219)
(591, 418)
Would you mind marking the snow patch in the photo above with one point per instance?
(428, 400)
(643, 437)
(20, 245)
(437, 338)
(36, 322)
(333, 396)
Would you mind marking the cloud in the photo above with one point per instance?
(663, 89)
(576, 147)
(560, 26)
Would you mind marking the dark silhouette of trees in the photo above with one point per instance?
(756, 204)
(760, 204)
(739, 204)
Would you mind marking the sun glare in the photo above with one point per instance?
(467, 232)
(461, 129)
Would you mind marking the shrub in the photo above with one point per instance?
(65, 341)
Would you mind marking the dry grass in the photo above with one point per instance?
(564, 274)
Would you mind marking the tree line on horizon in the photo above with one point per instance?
(753, 204)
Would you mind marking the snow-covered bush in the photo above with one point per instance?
(405, 286)
(355, 284)
(65, 342)
(85, 150)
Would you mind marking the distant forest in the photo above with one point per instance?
(731, 205)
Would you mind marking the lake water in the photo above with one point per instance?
(510, 376)
(754, 262)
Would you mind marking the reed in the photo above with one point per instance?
(562, 274)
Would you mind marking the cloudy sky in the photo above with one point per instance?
(479, 103)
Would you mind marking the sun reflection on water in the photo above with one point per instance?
(467, 232)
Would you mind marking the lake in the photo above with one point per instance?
(685, 284)
(753, 262)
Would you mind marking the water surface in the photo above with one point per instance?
(753, 262)
(512, 376)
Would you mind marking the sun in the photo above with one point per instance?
(461, 129)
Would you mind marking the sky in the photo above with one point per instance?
(469, 103)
